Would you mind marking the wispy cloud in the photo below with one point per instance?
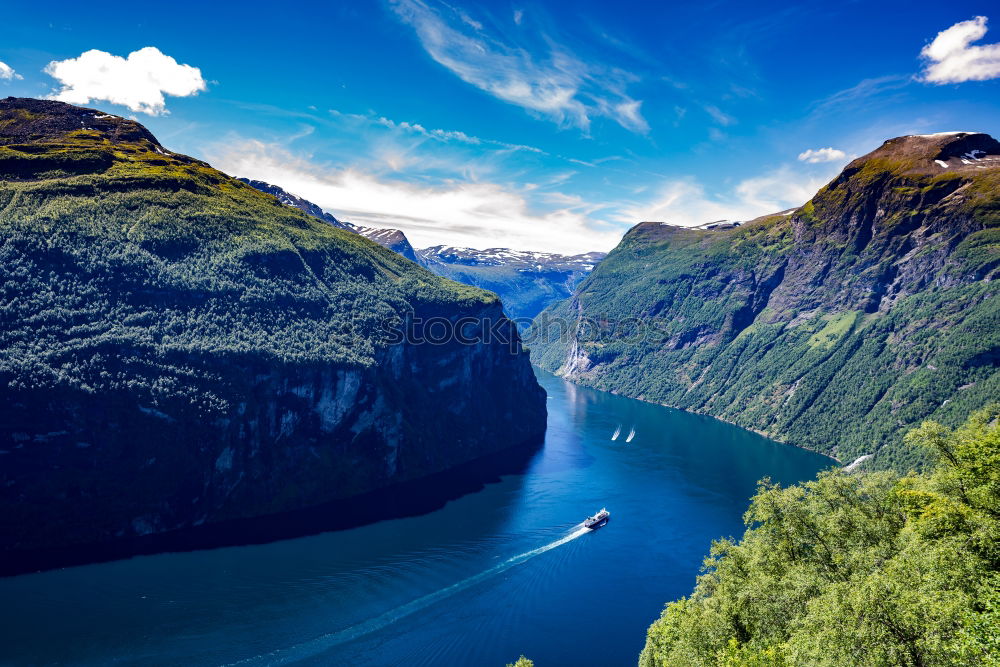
(138, 81)
(861, 94)
(477, 214)
(455, 135)
(828, 154)
(719, 116)
(559, 86)
(686, 201)
(951, 58)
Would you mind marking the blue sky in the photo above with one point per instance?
(543, 126)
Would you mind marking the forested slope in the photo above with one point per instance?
(177, 348)
(834, 327)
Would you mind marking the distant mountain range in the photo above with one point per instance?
(835, 326)
(526, 281)
(524, 260)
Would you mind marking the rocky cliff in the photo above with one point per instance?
(178, 349)
(834, 326)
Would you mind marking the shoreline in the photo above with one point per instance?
(696, 412)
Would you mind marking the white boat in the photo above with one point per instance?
(618, 432)
(631, 434)
(597, 520)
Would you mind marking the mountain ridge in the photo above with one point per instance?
(834, 326)
(393, 239)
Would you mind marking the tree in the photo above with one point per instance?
(522, 662)
(873, 569)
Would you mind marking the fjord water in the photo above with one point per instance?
(496, 573)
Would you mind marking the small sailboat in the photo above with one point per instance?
(631, 434)
(618, 431)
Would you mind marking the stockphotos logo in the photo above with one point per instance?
(415, 330)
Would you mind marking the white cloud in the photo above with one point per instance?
(720, 116)
(561, 87)
(828, 154)
(686, 202)
(444, 136)
(417, 128)
(518, 16)
(138, 81)
(951, 58)
(465, 213)
(7, 73)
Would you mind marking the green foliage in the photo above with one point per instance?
(870, 569)
(522, 662)
(835, 328)
(124, 267)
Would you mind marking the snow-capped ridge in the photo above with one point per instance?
(531, 260)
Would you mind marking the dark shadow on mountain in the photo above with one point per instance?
(407, 499)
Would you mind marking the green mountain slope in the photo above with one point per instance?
(834, 327)
(177, 348)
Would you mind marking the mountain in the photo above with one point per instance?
(178, 349)
(526, 281)
(393, 239)
(834, 326)
(304, 205)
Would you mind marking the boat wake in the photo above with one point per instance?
(324, 643)
(631, 435)
(618, 432)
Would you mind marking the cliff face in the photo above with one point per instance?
(834, 326)
(178, 349)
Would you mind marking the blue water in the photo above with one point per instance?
(500, 572)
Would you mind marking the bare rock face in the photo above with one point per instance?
(835, 326)
(178, 350)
